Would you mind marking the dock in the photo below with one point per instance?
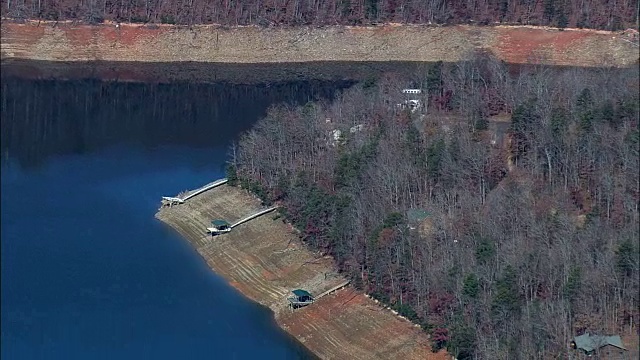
(253, 216)
(342, 324)
(170, 200)
(205, 188)
(335, 288)
(228, 228)
(303, 298)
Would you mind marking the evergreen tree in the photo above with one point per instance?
(471, 286)
(572, 285)
(506, 301)
(626, 258)
(584, 106)
(549, 10)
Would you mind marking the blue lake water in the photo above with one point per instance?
(87, 272)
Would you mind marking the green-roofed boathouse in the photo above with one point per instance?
(300, 298)
(219, 226)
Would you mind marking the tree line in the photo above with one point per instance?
(529, 181)
(597, 14)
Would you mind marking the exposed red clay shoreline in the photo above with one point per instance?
(264, 259)
(69, 42)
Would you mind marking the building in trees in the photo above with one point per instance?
(602, 347)
(419, 219)
(412, 101)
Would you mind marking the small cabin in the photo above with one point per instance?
(219, 227)
(601, 347)
(412, 91)
(412, 101)
(420, 221)
(300, 298)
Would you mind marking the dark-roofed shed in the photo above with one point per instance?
(300, 298)
(302, 294)
(607, 347)
(220, 224)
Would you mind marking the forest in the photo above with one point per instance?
(525, 180)
(595, 14)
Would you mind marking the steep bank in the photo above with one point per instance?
(68, 42)
(265, 260)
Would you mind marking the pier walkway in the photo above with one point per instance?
(253, 216)
(169, 200)
(335, 288)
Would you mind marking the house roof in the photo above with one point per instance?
(218, 223)
(417, 215)
(301, 293)
(588, 342)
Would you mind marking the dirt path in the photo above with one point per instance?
(264, 260)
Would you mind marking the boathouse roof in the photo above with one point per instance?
(220, 223)
(301, 293)
(417, 215)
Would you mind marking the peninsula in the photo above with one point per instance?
(471, 276)
(265, 260)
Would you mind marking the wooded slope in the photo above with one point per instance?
(596, 14)
(529, 179)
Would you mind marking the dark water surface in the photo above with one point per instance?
(87, 272)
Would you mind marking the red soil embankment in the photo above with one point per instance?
(349, 322)
(265, 260)
(66, 41)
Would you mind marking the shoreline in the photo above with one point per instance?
(234, 73)
(107, 42)
(264, 260)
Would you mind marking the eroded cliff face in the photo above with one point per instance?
(108, 42)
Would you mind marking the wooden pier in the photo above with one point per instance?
(335, 288)
(227, 228)
(304, 299)
(339, 325)
(170, 201)
(253, 216)
(205, 188)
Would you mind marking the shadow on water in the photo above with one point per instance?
(198, 72)
(41, 118)
(87, 272)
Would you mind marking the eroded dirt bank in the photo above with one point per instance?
(66, 41)
(265, 260)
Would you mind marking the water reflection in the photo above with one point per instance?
(87, 272)
(46, 117)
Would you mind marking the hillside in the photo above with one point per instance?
(105, 46)
(526, 188)
(595, 14)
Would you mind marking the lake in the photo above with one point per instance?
(87, 272)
